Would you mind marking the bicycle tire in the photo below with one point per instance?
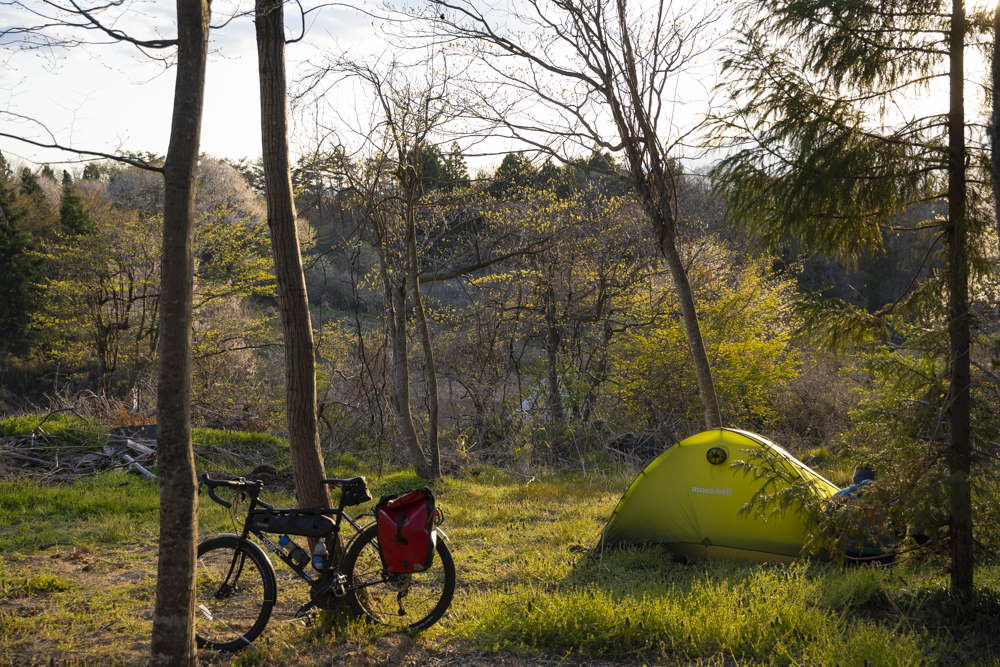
(232, 604)
(426, 594)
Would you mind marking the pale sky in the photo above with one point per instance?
(109, 96)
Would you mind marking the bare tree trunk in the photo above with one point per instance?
(396, 295)
(173, 641)
(959, 446)
(702, 367)
(600, 374)
(300, 359)
(425, 343)
(995, 123)
(552, 340)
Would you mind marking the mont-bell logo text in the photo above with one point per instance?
(716, 491)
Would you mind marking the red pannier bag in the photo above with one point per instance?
(406, 535)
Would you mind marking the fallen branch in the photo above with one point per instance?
(139, 448)
(135, 466)
(22, 457)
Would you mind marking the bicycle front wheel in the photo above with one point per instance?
(404, 601)
(235, 593)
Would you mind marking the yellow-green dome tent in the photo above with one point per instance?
(688, 497)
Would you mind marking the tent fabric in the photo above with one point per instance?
(690, 505)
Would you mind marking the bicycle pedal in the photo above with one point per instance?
(306, 612)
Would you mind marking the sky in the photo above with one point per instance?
(112, 97)
(107, 97)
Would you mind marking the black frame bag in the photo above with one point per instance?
(310, 523)
(406, 535)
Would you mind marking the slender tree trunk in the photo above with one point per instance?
(396, 294)
(173, 642)
(702, 367)
(552, 339)
(300, 358)
(959, 446)
(600, 375)
(425, 343)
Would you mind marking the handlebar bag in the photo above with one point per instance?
(406, 535)
(311, 523)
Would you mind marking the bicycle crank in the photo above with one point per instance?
(399, 600)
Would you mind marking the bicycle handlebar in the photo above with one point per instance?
(239, 484)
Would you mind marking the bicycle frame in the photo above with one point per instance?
(330, 579)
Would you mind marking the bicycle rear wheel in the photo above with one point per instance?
(404, 601)
(235, 592)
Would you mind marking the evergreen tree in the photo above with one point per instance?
(826, 149)
(92, 172)
(456, 172)
(73, 217)
(515, 171)
(29, 182)
(66, 178)
(22, 270)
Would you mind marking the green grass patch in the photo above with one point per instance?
(67, 428)
(528, 583)
(238, 439)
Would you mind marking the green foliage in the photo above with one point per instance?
(746, 321)
(22, 273)
(73, 217)
(827, 152)
(515, 171)
(29, 183)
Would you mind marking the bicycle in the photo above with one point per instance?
(236, 587)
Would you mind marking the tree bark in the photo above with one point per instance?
(663, 225)
(959, 446)
(396, 296)
(553, 337)
(300, 360)
(995, 124)
(173, 640)
(425, 343)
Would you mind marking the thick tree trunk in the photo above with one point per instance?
(959, 446)
(300, 360)
(995, 124)
(173, 642)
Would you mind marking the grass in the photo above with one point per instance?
(66, 427)
(78, 563)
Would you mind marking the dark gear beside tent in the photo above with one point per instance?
(688, 499)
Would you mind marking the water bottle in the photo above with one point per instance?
(294, 551)
(319, 556)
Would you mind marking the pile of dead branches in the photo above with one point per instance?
(47, 457)
(41, 454)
